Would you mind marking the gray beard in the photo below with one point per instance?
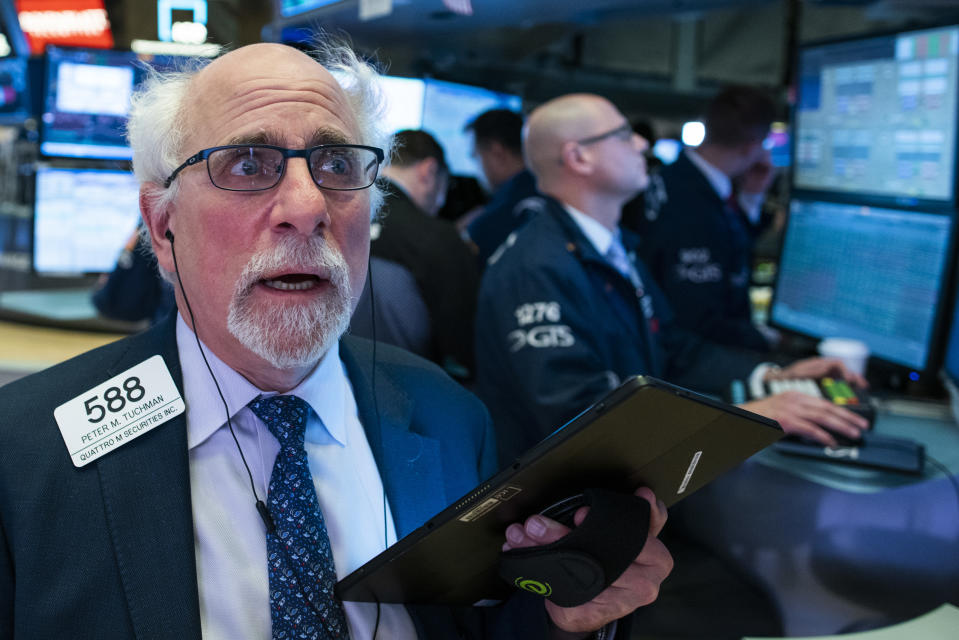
(292, 335)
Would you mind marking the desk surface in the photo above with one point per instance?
(836, 545)
(25, 348)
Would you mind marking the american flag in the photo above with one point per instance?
(462, 7)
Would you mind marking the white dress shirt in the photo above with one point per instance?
(230, 537)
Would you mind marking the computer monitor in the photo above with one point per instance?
(15, 100)
(448, 107)
(86, 103)
(868, 273)
(82, 219)
(404, 102)
(295, 7)
(877, 117)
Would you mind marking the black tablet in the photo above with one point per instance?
(645, 433)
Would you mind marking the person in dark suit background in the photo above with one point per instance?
(409, 234)
(700, 230)
(498, 146)
(160, 537)
(134, 291)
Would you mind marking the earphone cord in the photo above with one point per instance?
(260, 505)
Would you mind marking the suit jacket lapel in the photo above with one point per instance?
(146, 494)
(410, 464)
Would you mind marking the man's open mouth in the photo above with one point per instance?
(292, 282)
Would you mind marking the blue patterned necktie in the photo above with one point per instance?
(300, 561)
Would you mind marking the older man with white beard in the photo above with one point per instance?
(214, 476)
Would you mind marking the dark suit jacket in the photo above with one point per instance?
(106, 551)
(445, 272)
(700, 251)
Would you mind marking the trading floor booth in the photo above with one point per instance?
(868, 253)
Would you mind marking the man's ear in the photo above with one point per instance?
(575, 158)
(157, 221)
(426, 170)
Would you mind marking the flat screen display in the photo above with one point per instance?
(86, 103)
(404, 103)
(82, 219)
(867, 273)
(296, 7)
(448, 107)
(877, 116)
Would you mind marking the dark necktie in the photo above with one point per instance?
(299, 557)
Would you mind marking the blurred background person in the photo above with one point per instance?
(698, 239)
(409, 234)
(498, 147)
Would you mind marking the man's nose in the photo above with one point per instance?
(302, 204)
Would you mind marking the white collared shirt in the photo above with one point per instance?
(230, 538)
(598, 235)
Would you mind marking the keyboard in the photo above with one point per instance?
(839, 392)
(878, 452)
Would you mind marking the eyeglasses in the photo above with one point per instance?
(624, 132)
(257, 167)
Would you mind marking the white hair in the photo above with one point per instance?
(157, 126)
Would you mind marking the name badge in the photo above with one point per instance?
(123, 408)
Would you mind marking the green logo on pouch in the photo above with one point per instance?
(534, 586)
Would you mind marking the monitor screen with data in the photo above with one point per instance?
(868, 273)
(86, 103)
(82, 219)
(877, 116)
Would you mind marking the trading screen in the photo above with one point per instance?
(867, 273)
(82, 219)
(878, 116)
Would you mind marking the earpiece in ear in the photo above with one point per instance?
(168, 235)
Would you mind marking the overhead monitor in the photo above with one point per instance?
(404, 103)
(296, 7)
(448, 107)
(82, 219)
(15, 98)
(867, 273)
(877, 116)
(86, 100)
(86, 103)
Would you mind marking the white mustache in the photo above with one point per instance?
(294, 254)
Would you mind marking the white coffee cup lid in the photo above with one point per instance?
(843, 347)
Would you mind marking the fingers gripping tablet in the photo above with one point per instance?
(576, 568)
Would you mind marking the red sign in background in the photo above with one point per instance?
(74, 23)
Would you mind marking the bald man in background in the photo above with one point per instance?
(567, 312)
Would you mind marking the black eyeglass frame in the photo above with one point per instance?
(623, 128)
(204, 154)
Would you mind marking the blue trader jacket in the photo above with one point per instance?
(699, 249)
(558, 327)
